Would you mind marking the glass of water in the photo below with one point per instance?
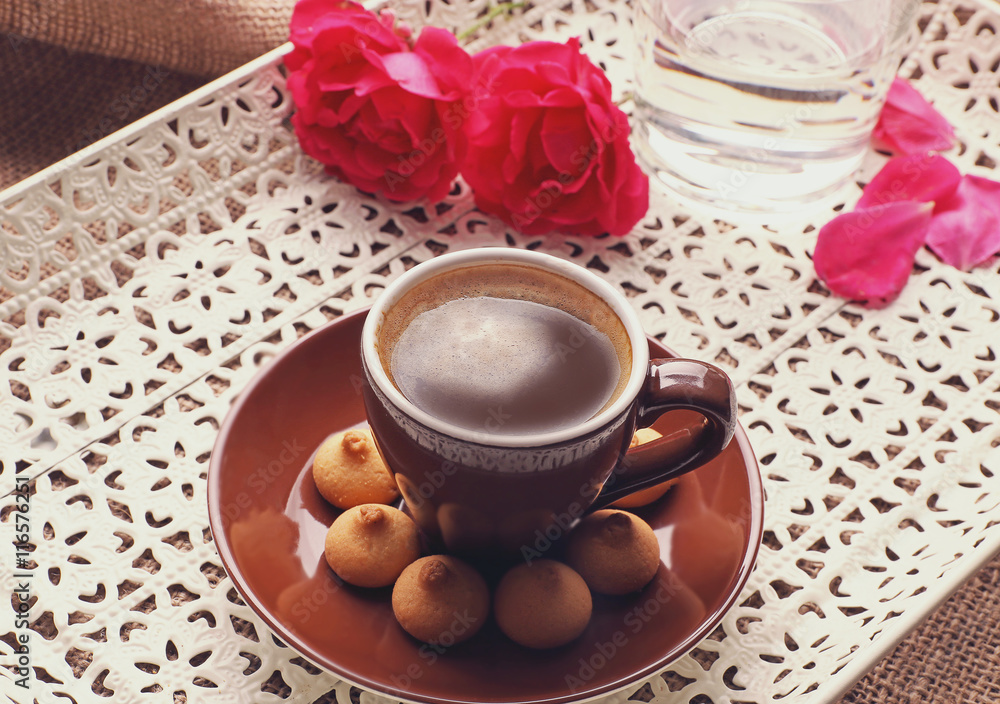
(762, 105)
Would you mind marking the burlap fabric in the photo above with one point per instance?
(73, 71)
(201, 37)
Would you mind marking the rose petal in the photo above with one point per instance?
(533, 54)
(632, 200)
(409, 71)
(965, 230)
(418, 71)
(554, 74)
(523, 123)
(920, 177)
(488, 62)
(908, 124)
(311, 18)
(308, 13)
(555, 99)
(867, 255)
(449, 63)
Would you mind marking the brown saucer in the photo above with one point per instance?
(269, 524)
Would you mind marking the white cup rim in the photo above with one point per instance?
(496, 255)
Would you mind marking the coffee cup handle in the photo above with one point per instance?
(675, 384)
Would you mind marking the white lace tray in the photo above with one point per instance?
(145, 280)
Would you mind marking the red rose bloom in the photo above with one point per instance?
(379, 114)
(549, 149)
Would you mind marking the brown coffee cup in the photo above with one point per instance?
(483, 486)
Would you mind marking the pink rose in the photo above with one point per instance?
(549, 149)
(379, 114)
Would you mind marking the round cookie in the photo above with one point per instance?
(615, 552)
(649, 494)
(348, 471)
(542, 604)
(441, 600)
(369, 545)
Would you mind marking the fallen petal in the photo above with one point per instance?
(919, 177)
(965, 229)
(867, 255)
(908, 124)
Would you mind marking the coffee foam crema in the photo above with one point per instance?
(490, 354)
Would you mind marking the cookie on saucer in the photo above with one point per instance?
(441, 600)
(542, 604)
(348, 471)
(615, 552)
(370, 545)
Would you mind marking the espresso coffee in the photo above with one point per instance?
(505, 349)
